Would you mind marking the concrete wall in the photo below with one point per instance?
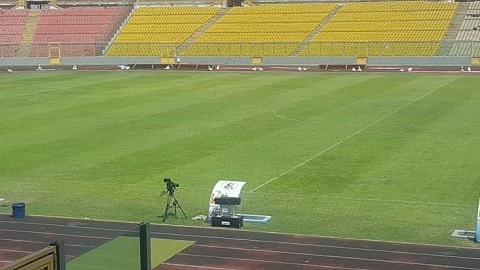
(225, 60)
(419, 61)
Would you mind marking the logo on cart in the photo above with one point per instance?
(230, 186)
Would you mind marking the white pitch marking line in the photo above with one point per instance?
(306, 121)
(274, 112)
(374, 200)
(34, 98)
(350, 136)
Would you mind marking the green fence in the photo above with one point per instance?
(334, 48)
(128, 251)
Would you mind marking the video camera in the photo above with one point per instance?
(171, 186)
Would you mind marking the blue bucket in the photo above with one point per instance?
(18, 210)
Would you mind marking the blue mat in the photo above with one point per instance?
(255, 218)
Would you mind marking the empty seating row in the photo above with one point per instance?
(11, 29)
(13, 12)
(10, 39)
(263, 28)
(11, 20)
(175, 10)
(253, 37)
(394, 16)
(366, 26)
(468, 35)
(87, 11)
(174, 18)
(474, 6)
(397, 6)
(470, 24)
(379, 36)
(151, 37)
(167, 28)
(74, 29)
(72, 38)
(285, 9)
(257, 19)
(101, 19)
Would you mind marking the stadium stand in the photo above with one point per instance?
(469, 31)
(91, 27)
(384, 28)
(84, 30)
(12, 25)
(266, 30)
(155, 31)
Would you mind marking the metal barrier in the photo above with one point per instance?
(48, 258)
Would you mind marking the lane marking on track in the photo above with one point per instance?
(14, 251)
(330, 256)
(351, 136)
(337, 247)
(59, 234)
(195, 266)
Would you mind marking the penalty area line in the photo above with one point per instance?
(351, 136)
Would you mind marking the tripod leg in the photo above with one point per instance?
(179, 206)
(165, 214)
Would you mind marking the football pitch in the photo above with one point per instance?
(387, 156)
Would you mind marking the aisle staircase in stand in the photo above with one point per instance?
(183, 46)
(315, 31)
(453, 29)
(28, 33)
(21, 4)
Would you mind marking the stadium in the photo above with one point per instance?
(353, 125)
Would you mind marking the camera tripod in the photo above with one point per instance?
(172, 202)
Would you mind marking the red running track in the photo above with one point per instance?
(218, 248)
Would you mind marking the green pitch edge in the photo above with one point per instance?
(123, 253)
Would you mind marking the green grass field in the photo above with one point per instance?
(362, 155)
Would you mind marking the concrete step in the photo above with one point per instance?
(28, 34)
(453, 29)
(181, 48)
(315, 31)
